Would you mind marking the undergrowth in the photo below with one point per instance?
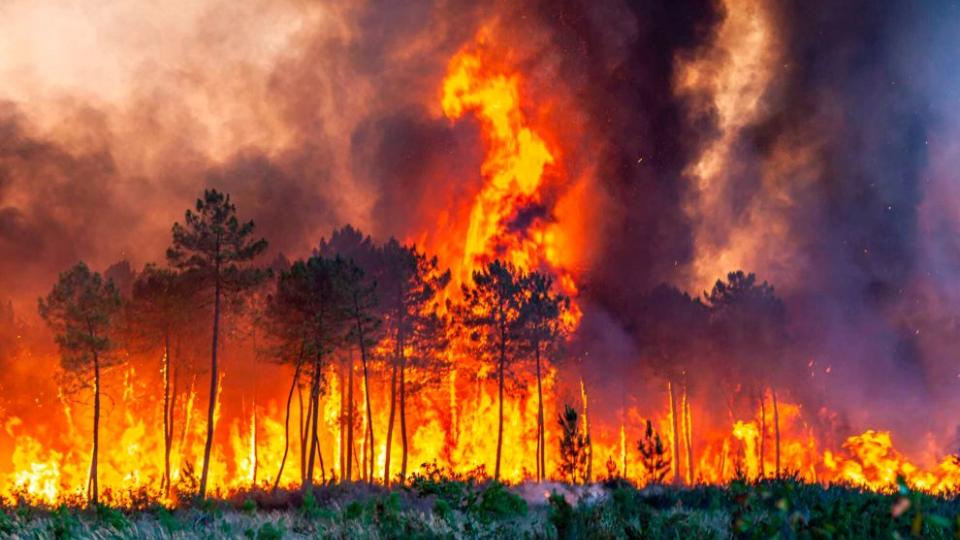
(436, 504)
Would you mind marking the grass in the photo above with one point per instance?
(433, 505)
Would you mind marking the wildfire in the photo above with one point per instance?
(453, 424)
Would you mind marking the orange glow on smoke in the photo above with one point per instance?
(454, 423)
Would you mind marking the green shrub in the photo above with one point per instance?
(496, 502)
(64, 523)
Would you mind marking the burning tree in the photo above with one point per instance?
(215, 248)
(670, 328)
(162, 310)
(574, 446)
(82, 310)
(360, 288)
(653, 456)
(360, 303)
(541, 328)
(308, 312)
(491, 312)
(747, 319)
(410, 284)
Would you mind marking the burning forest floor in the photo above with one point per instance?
(431, 506)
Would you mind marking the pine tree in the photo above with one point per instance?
(410, 285)
(541, 330)
(308, 312)
(214, 248)
(160, 311)
(490, 312)
(573, 447)
(653, 456)
(82, 310)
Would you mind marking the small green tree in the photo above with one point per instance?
(82, 310)
(216, 249)
(573, 447)
(653, 456)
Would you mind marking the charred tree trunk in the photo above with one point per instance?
(393, 413)
(304, 427)
(253, 437)
(403, 417)
(674, 428)
(314, 413)
(500, 366)
(286, 425)
(541, 459)
(688, 435)
(588, 474)
(776, 433)
(763, 432)
(368, 443)
(342, 423)
(349, 474)
(167, 416)
(323, 468)
(213, 378)
(93, 495)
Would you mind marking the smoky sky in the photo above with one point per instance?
(319, 115)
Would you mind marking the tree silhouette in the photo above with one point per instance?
(541, 328)
(748, 322)
(161, 310)
(410, 284)
(490, 312)
(653, 456)
(308, 312)
(215, 249)
(671, 330)
(81, 310)
(360, 287)
(360, 303)
(573, 446)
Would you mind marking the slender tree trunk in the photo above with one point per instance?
(173, 408)
(403, 417)
(349, 475)
(776, 432)
(167, 413)
(361, 337)
(94, 485)
(286, 424)
(541, 460)
(503, 358)
(342, 422)
(314, 413)
(304, 427)
(588, 474)
(393, 412)
(253, 437)
(316, 440)
(763, 432)
(368, 445)
(213, 379)
(674, 428)
(688, 434)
